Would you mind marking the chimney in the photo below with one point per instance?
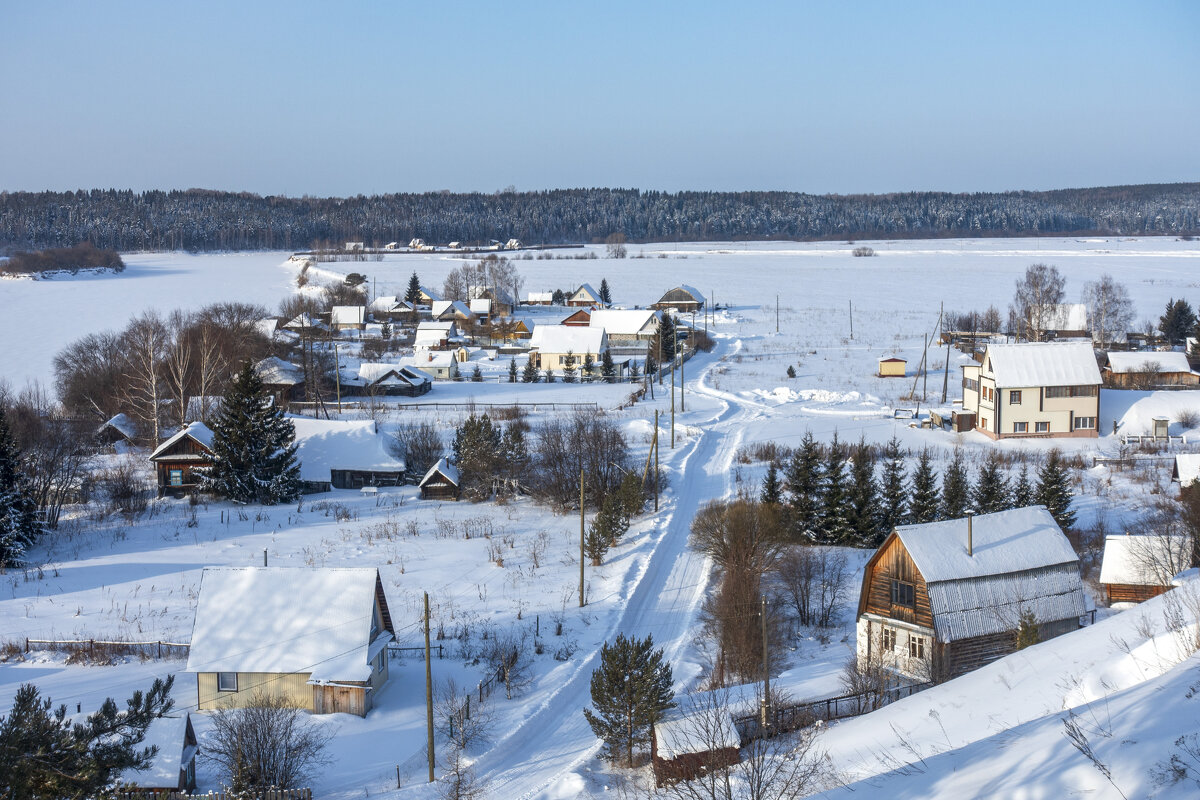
(264, 556)
(970, 535)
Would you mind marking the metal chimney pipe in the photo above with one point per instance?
(264, 556)
(970, 535)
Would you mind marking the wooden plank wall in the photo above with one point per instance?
(894, 563)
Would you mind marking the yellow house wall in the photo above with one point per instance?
(292, 687)
(892, 369)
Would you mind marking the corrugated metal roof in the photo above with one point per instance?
(1123, 363)
(1042, 364)
(963, 609)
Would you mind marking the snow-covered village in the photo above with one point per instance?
(344, 478)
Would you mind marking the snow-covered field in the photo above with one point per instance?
(998, 727)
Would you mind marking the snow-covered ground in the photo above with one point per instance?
(137, 578)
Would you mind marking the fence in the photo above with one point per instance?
(269, 794)
(800, 715)
(466, 406)
(93, 646)
(418, 649)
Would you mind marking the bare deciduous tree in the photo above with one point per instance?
(1035, 302)
(814, 582)
(509, 655)
(267, 743)
(146, 341)
(1110, 310)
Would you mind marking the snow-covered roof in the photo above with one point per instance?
(1187, 469)
(304, 320)
(680, 293)
(456, 307)
(383, 304)
(429, 293)
(1042, 364)
(274, 370)
(624, 323)
(577, 339)
(540, 297)
(586, 292)
(436, 325)
(430, 359)
(442, 467)
(325, 444)
(176, 743)
(195, 430)
(1066, 317)
(695, 726)
(497, 293)
(267, 327)
(285, 620)
(1125, 363)
(481, 306)
(122, 424)
(373, 372)
(348, 315)
(1133, 559)
(428, 339)
(1020, 560)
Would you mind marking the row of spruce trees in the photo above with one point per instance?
(832, 494)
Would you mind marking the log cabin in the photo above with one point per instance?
(344, 454)
(1136, 568)
(695, 736)
(315, 637)
(176, 459)
(1149, 370)
(682, 298)
(441, 482)
(944, 598)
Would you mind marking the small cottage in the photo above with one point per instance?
(173, 768)
(585, 296)
(624, 327)
(178, 457)
(118, 429)
(944, 598)
(315, 637)
(682, 298)
(452, 311)
(427, 297)
(441, 364)
(393, 380)
(539, 299)
(432, 335)
(306, 324)
(892, 367)
(1149, 370)
(281, 379)
(441, 482)
(499, 302)
(344, 454)
(1136, 568)
(348, 318)
(551, 346)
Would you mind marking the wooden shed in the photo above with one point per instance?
(696, 736)
(892, 367)
(176, 459)
(944, 598)
(441, 482)
(1136, 568)
(581, 318)
(173, 768)
(682, 298)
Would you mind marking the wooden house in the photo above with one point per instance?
(432, 335)
(1065, 321)
(1136, 568)
(173, 768)
(1034, 390)
(315, 637)
(453, 311)
(622, 327)
(390, 308)
(393, 380)
(682, 298)
(695, 736)
(283, 380)
(441, 364)
(348, 318)
(344, 454)
(892, 367)
(1148, 370)
(441, 482)
(176, 459)
(512, 244)
(415, 243)
(499, 302)
(585, 297)
(118, 429)
(306, 324)
(579, 319)
(944, 598)
(427, 297)
(1186, 470)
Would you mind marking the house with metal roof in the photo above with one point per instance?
(1148, 370)
(944, 598)
(585, 295)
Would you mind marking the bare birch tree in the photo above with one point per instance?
(144, 388)
(1110, 310)
(1035, 302)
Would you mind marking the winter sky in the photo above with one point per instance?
(347, 98)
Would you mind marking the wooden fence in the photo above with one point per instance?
(801, 715)
(92, 647)
(269, 794)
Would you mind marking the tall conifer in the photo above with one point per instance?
(956, 488)
(1054, 489)
(893, 505)
(19, 524)
(926, 499)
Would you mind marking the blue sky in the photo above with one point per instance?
(348, 98)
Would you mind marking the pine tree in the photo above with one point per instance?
(1023, 489)
(803, 484)
(44, 754)
(1054, 489)
(666, 338)
(991, 489)
(893, 505)
(413, 295)
(606, 529)
(19, 524)
(530, 373)
(605, 295)
(477, 451)
(956, 488)
(512, 370)
(385, 330)
(254, 451)
(608, 370)
(1027, 630)
(569, 370)
(926, 499)
(634, 372)
(772, 491)
(630, 691)
(1178, 320)
(864, 496)
(835, 527)
(791, 371)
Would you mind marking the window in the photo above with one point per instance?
(889, 639)
(971, 384)
(983, 423)
(227, 682)
(176, 477)
(378, 663)
(916, 646)
(1020, 427)
(1085, 423)
(1041, 427)
(1070, 391)
(903, 594)
(1014, 397)
(375, 626)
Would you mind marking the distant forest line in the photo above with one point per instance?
(201, 220)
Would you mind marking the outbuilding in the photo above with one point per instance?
(1138, 567)
(441, 482)
(892, 367)
(176, 459)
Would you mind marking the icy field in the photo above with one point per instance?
(1001, 726)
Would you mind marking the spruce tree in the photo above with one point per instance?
(771, 490)
(605, 295)
(1054, 489)
(926, 499)
(569, 370)
(956, 488)
(802, 480)
(477, 451)
(608, 370)
(254, 451)
(477, 374)
(530, 373)
(1027, 630)
(893, 505)
(1023, 490)
(19, 524)
(991, 489)
(413, 295)
(549, 375)
(630, 691)
(515, 458)
(864, 497)
(606, 529)
(666, 338)
(589, 367)
(512, 370)
(835, 527)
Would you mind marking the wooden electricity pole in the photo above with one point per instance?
(682, 405)
(655, 459)
(777, 313)
(946, 374)
(337, 374)
(581, 537)
(766, 698)
(428, 692)
(851, 319)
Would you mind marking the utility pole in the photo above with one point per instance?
(925, 370)
(851, 319)
(337, 374)
(428, 692)
(581, 537)
(682, 405)
(946, 374)
(777, 314)
(654, 444)
(766, 698)
(672, 406)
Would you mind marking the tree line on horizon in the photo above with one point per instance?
(201, 220)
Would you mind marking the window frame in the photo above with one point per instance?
(175, 477)
(1041, 427)
(916, 646)
(1085, 423)
(889, 639)
(1014, 397)
(902, 590)
(223, 681)
(1020, 427)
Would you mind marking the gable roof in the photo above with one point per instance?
(429, 293)
(456, 307)
(175, 739)
(304, 320)
(1187, 469)
(347, 315)
(682, 294)
(1131, 559)
(444, 468)
(197, 431)
(586, 292)
(1043, 364)
(624, 323)
(323, 445)
(481, 305)
(386, 303)
(122, 424)
(540, 297)
(567, 338)
(1125, 363)
(430, 359)
(276, 371)
(377, 373)
(287, 620)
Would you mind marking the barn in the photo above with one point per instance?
(344, 454)
(944, 598)
(441, 482)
